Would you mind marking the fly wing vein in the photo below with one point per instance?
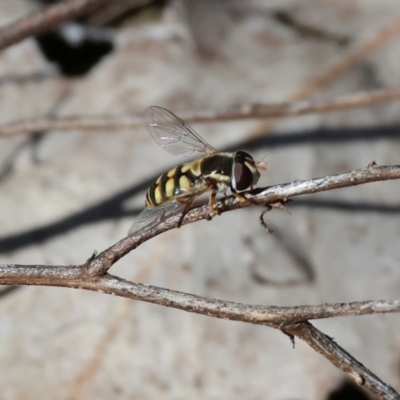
(181, 139)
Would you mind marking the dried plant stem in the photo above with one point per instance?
(76, 277)
(264, 197)
(240, 112)
(93, 275)
(326, 346)
(288, 319)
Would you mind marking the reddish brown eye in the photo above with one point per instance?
(242, 175)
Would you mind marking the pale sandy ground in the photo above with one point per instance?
(210, 54)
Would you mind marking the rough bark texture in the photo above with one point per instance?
(65, 194)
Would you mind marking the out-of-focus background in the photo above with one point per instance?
(64, 194)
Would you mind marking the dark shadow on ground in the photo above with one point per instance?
(320, 136)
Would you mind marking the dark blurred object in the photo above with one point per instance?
(77, 47)
(74, 48)
(349, 391)
(6, 290)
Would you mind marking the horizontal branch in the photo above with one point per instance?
(76, 277)
(45, 20)
(239, 112)
(290, 320)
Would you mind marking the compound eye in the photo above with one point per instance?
(242, 175)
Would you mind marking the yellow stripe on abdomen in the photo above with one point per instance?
(158, 195)
(169, 188)
(184, 183)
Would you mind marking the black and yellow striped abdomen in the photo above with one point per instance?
(212, 172)
(175, 183)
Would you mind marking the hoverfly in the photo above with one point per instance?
(174, 192)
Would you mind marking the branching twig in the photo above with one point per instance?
(94, 276)
(45, 20)
(291, 320)
(239, 112)
(284, 318)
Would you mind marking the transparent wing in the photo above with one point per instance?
(173, 135)
(149, 218)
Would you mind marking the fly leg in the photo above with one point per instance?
(242, 198)
(212, 209)
(188, 206)
(223, 200)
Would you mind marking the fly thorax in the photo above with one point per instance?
(217, 170)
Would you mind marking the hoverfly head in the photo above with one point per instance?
(245, 172)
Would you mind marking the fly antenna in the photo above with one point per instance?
(261, 165)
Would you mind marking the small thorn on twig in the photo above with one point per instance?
(291, 337)
(89, 260)
(372, 164)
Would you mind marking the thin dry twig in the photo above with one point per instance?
(75, 276)
(238, 112)
(275, 317)
(45, 20)
(93, 276)
(326, 346)
(291, 320)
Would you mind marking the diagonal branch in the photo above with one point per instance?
(238, 112)
(42, 21)
(326, 346)
(263, 197)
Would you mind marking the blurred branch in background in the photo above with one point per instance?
(305, 29)
(236, 112)
(45, 20)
